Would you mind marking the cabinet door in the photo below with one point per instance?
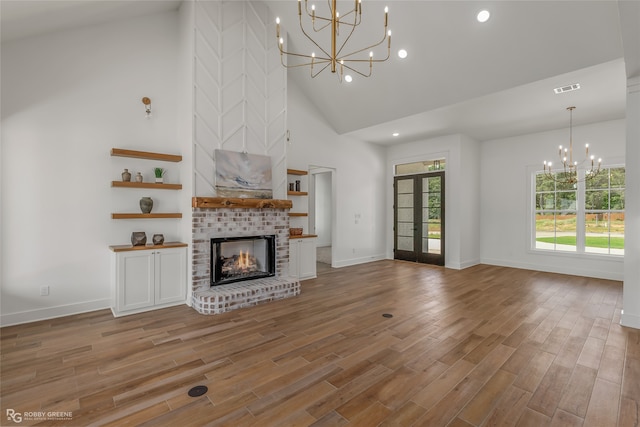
(294, 271)
(135, 287)
(307, 258)
(170, 275)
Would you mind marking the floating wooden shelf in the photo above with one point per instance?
(159, 186)
(298, 214)
(297, 193)
(302, 236)
(296, 172)
(119, 152)
(165, 245)
(145, 216)
(230, 202)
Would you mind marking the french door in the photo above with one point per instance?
(419, 218)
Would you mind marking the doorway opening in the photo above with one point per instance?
(322, 214)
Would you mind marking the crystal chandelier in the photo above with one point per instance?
(569, 172)
(334, 56)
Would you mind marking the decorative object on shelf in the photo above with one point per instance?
(243, 175)
(126, 175)
(291, 186)
(159, 173)
(158, 239)
(138, 177)
(147, 107)
(569, 172)
(138, 238)
(295, 231)
(298, 185)
(334, 55)
(146, 204)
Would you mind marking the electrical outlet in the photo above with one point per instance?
(44, 291)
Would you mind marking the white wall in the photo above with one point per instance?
(360, 180)
(506, 198)
(67, 99)
(461, 193)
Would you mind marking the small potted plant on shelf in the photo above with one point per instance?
(159, 173)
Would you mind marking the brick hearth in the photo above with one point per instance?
(233, 222)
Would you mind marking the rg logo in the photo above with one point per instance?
(14, 416)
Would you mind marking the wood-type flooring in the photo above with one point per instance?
(485, 346)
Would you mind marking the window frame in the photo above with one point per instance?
(580, 212)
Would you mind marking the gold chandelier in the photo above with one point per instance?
(333, 56)
(569, 172)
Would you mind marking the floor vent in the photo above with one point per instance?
(198, 390)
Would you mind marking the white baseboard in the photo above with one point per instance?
(463, 265)
(597, 274)
(356, 261)
(53, 312)
(630, 320)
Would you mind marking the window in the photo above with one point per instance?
(587, 217)
(420, 167)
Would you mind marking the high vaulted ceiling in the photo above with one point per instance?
(486, 80)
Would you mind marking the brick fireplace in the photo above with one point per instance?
(215, 217)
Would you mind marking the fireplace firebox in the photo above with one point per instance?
(234, 259)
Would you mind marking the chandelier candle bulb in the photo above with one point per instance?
(278, 27)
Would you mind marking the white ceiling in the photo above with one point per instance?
(487, 80)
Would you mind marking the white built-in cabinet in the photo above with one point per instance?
(147, 279)
(302, 257)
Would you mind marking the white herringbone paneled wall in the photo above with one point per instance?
(239, 90)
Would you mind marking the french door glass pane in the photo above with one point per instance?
(405, 243)
(405, 215)
(405, 200)
(405, 186)
(405, 229)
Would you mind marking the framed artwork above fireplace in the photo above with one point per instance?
(243, 175)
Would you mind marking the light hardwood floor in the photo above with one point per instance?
(485, 346)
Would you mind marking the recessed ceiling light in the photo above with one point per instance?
(402, 53)
(395, 134)
(348, 78)
(483, 16)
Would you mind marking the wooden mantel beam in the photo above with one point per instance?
(230, 202)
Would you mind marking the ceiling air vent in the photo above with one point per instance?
(567, 88)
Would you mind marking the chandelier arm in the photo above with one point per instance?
(312, 40)
(346, 39)
(316, 60)
(356, 71)
(321, 70)
(345, 58)
(317, 30)
(371, 47)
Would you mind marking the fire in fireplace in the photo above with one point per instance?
(242, 258)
